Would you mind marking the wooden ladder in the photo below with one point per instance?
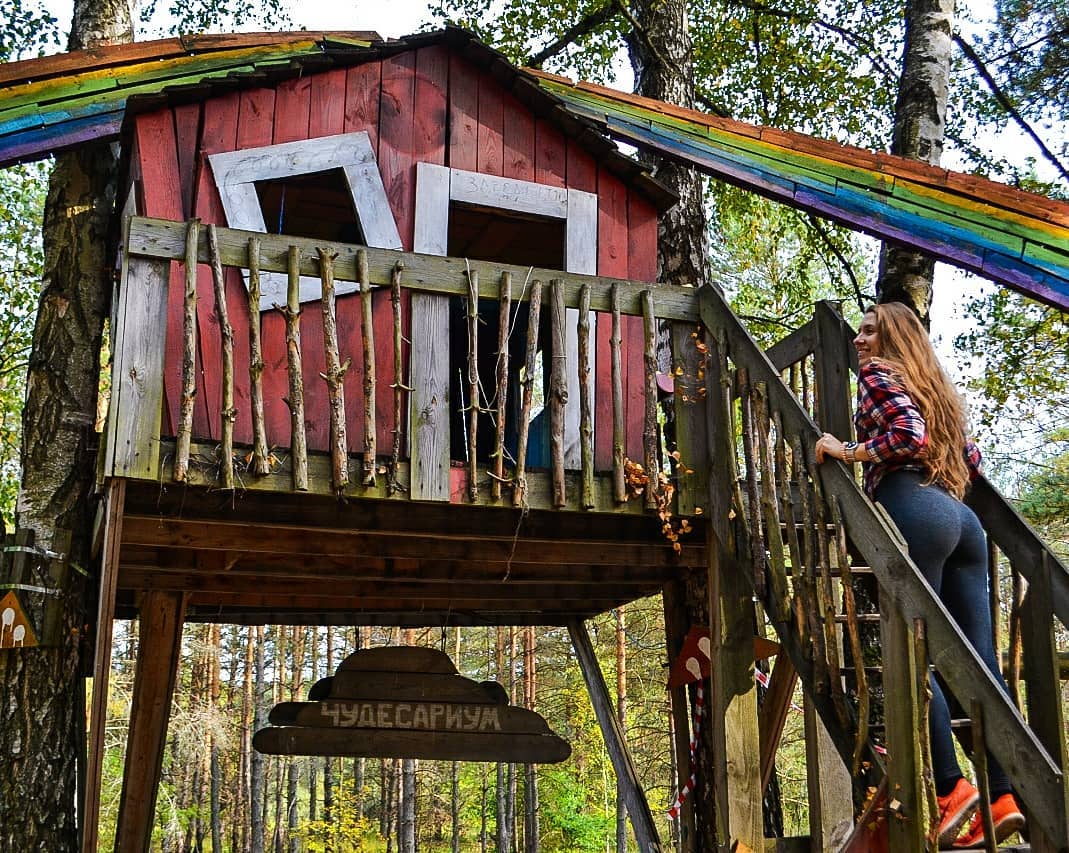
(801, 535)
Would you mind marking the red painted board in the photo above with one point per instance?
(397, 163)
(582, 170)
(218, 133)
(550, 152)
(612, 261)
(519, 140)
(362, 85)
(490, 145)
(431, 113)
(327, 111)
(463, 114)
(292, 103)
(641, 266)
(313, 363)
(157, 156)
(256, 118)
(187, 129)
(256, 124)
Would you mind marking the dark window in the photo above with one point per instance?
(316, 205)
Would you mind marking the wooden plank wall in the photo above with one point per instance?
(427, 105)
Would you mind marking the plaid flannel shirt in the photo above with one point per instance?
(892, 428)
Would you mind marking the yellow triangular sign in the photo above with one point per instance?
(15, 629)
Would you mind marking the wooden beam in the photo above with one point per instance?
(162, 616)
(201, 534)
(345, 587)
(793, 348)
(627, 777)
(274, 568)
(109, 573)
(163, 240)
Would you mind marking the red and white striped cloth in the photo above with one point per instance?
(699, 712)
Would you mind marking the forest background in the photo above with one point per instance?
(830, 69)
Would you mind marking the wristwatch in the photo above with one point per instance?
(850, 451)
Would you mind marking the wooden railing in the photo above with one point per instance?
(795, 581)
(203, 351)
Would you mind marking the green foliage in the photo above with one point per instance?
(28, 29)
(1030, 49)
(1023, 348)
(22, 191)
(572, 820)
(345, 832)
(170, 17)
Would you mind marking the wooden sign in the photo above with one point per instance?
(409, 702)
(31, 611)
(16, 632)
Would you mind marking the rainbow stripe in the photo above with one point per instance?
(1015, 238)
(1012, 237)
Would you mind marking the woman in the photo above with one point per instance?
(917, 462)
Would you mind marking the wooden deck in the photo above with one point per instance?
(258, 557)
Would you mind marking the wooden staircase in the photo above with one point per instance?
(797, 571)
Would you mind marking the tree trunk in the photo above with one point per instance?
(40, 719)
(328, 763)
(663, 60)
(920, 123)
(256, 759)
(530, 778)
(216, 770)
(621, 712)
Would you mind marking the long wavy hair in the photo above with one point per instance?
(904, 346)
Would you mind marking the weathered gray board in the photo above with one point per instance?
(409, 702)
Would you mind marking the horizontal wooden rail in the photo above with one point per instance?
(1017, 748)
(161, 239)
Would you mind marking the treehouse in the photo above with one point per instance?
(385, 352)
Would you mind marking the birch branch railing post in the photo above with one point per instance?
(189, 353)
(292, 312)
(474, 401)
(558, 389)
(586, 404)
(502, 374)
(618, 437)
(399, 385)
(334, 375)
(261, 464)
(519, 491)
(367, 332)
(226, 332)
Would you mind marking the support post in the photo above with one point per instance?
(675, 629)
(162, 616)
(109, 574)
(1044, 686)
(907, 820)
(634, 797)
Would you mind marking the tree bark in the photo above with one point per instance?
(39, 714)
(662, 57)
(621, 712)
(920, 124)
(256, 759)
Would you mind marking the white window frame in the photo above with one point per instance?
(438, 186)
(236, 174)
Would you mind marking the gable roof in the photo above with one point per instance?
(54, 103)
(1012, 237)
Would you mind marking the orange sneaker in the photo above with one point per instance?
(1008, 819)
(954, 809)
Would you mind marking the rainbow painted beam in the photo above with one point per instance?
(55, 103)
(1012, 237)
(1015, 238)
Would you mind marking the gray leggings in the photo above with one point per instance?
(947, 543)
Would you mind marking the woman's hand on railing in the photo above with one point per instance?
(829, 447)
